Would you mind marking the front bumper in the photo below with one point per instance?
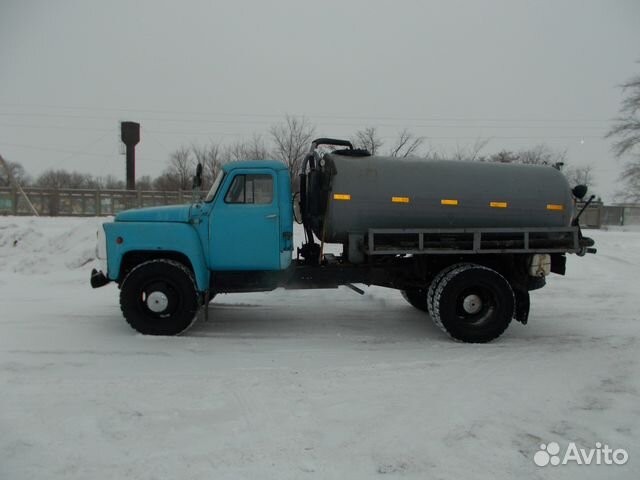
(98, 279)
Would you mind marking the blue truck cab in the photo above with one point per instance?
(243, 227)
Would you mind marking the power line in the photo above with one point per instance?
(60, 150)
(153, 133)
(54, 127)
(83, 150)
(388, 137)
(481, 126)
(470, 123)
(279, 115)
(420, 132)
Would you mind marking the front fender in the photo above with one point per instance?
(155, 237)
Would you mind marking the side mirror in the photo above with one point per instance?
(579, 191)
(197, 179)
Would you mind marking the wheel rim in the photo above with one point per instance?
(159, 299)
(472, 304)
(475, 306)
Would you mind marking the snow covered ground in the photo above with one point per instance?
(314, 384)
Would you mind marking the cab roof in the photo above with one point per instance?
(273, 164)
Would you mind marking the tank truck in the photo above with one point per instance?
(464, 242)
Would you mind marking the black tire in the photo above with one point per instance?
(159, 297)
(417, 297)
(433, 287)
(473, 304)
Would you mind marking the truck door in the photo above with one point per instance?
(244, 225)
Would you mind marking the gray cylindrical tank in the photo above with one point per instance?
(385, 192)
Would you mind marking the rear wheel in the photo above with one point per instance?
(433, 287)
(473, 304)
(159, 297)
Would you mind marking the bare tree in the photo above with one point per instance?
(542, 154)
(232, 152)
(181, 165)
(256, 148)
(291, 141)
(8, 172)
(111, 182)
(143, 183)
(626, 130)
(627, 126)
(367, 139)
(406, 145)
(471, 153)
(63, 179)
(630, 178)
(18, 173)
(504, 156)
(460, 153)
(211, 158)
(538, 155)
(166, 182)
(433, 154)
(253, 149)
(580, 176)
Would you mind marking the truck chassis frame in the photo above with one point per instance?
(390, 253)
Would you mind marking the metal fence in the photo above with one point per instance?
(91, 203)
(84, 203)
(598, 215)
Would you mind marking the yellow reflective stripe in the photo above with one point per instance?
(553, 206)
(400, 199)
(498, 204)
(341, 196)
(445, 201)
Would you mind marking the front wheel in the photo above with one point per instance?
(473, 303)
(159, 297)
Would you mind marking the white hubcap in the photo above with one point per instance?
(472, 304)
(157, 302)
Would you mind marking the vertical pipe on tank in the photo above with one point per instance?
(304, 210)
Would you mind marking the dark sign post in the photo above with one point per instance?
(130, 134)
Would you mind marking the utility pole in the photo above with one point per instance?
(17, 186)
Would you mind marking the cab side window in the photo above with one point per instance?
(251, 189)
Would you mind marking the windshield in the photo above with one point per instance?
(214, 187)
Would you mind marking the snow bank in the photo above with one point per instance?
(46, 245)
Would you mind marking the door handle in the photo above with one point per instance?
(272, 216)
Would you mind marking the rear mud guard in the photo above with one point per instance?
(523, 305)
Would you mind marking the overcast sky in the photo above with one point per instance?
(516, 72)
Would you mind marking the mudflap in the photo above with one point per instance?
(523, 304)
(204, 307)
